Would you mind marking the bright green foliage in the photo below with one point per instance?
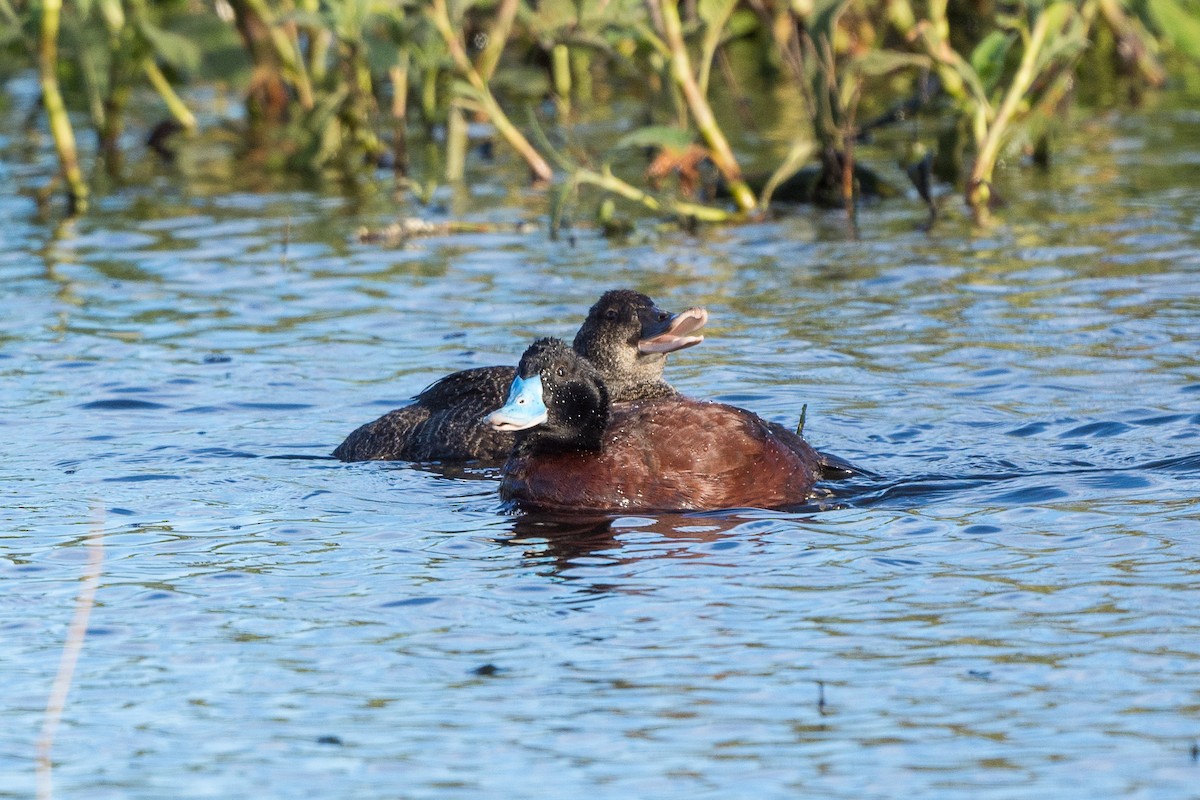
(657, 136)
(334, 87)
(1179, 22)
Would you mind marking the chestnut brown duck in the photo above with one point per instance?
(578, 451)
(626, 337)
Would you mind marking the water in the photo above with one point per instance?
(1009, 609)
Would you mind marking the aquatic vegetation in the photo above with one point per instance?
(338, 87)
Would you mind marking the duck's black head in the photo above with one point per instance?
(558, 401)
(627, 338)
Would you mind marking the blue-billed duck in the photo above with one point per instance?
(578, 451)
(626, 336)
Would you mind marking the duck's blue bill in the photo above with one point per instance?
(524, 407)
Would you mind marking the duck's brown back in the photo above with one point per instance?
(671, 454)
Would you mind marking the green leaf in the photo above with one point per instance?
(742, 23)
(178, 51)
(988, 57)
(307, 19)
(349, 18)
(800, 152)
(325, 128)
(1065, 36)
(826, 14)
(559, 202)
(111, 10)
(662, 136)
(877, 63)
(550, 18)
(1178, 24)
(715, 12)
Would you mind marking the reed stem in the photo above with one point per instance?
(172, 100)
(440, 16)
(56, 110)
(979, 184)
(72, 647)
(706, 121)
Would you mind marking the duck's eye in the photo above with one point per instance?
(561, 372)
(662, 316)
(610, 314)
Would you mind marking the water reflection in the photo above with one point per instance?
(568, 542)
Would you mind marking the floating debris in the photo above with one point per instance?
(487, 670)
(413, 227)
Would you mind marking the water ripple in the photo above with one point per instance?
(1004, 608)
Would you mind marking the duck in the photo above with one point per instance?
(625, 336)
(578, 451)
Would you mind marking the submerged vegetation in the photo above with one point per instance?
(338, 87)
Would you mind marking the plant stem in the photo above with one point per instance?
(320, 40)
(1132, 39)
(979, 184)
(56, 111)
(958, 77)
(712, 40)
(611, 183)
(497, 37)
(706, 121)
(285, 47)
(847, 135)
(174, 104)
(399, 76)
(72, 647)
(456, 144)
(440, 16)
(560, 61)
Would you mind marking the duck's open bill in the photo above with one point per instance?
(674, 333)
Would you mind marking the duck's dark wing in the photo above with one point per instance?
(482, 384)
(444, 423)
(389, 438)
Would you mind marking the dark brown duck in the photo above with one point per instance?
(578, 451)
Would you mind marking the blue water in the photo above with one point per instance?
(1008, 610)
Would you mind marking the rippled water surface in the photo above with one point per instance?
(1009, 610)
